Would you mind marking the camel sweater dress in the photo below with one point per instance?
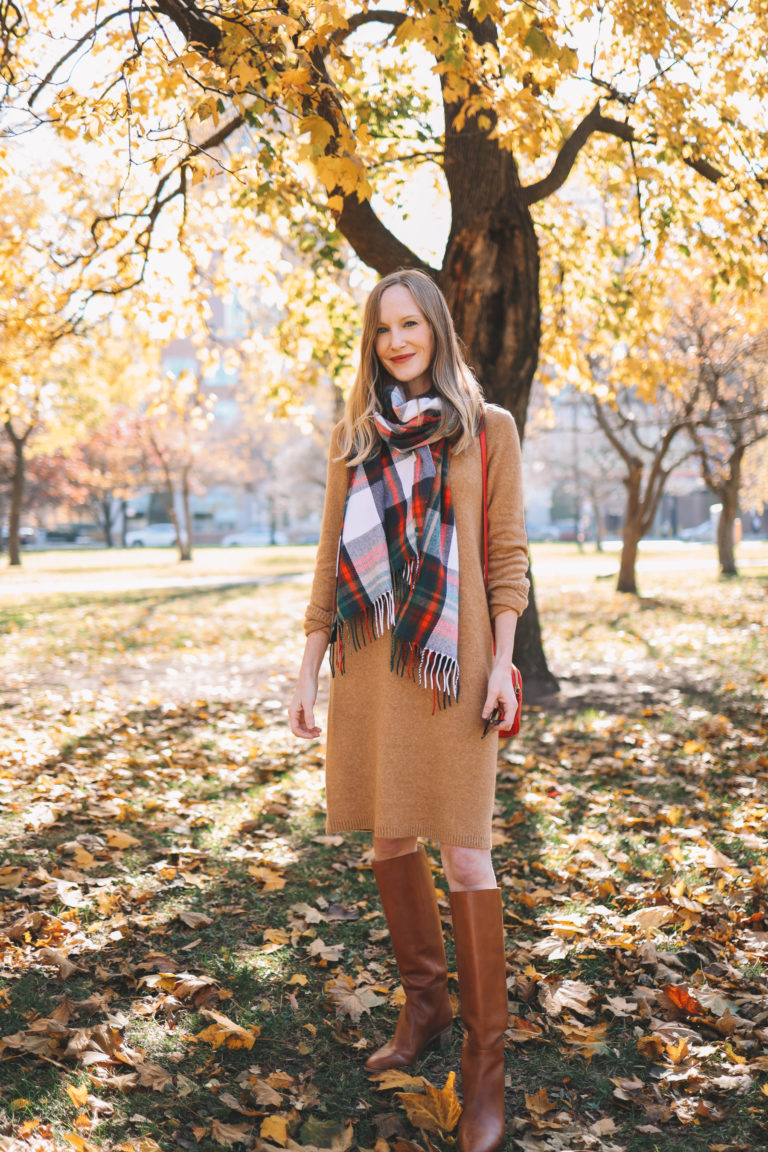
(392, 766)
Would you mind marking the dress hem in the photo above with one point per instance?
(396, 831)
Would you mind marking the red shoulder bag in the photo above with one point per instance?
(517, 680)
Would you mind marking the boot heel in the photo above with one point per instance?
(444, 1038)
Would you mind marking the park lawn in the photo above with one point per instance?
(188, 961)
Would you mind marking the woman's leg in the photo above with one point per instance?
(467, 869)
(408, 897)
(481, 964)
(386, 849)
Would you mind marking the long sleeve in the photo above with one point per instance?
(319, 613)
(507, 540)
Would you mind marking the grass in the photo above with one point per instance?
(164, 834)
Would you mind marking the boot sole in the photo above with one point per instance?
(440, 1040)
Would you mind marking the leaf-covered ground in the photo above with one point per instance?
(187, 960)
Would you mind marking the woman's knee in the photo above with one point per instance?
(385, 848)
(467, 868)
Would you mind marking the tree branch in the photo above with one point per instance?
(357, 221)
(593, 122)
(358, 19)
(373, 243)
(194, 25)
(75, 47)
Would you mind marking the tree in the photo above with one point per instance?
(172, 425)
(502, 100)
(728, 349)
(107, 467)
(644, 436)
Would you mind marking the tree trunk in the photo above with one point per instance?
(106, 516)
(728, 494)
(490, 280)
(632, 531)
(185, 543)
(597, 515)
(17, 495)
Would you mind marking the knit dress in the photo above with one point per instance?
(392, 765)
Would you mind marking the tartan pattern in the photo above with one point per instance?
(398, 564)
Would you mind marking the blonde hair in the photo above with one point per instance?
(452, 378)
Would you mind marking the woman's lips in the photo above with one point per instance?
(402, 359)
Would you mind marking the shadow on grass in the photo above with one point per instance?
(200, 863)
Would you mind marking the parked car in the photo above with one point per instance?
(27, 535)
(544, 533)
(253, 537)
(153, 536)
(699, 532)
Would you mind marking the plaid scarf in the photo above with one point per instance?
(398, 564)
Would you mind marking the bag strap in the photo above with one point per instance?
(484, 456)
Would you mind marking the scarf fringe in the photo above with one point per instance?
(424, 666)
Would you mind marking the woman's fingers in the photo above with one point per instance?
(302, 720)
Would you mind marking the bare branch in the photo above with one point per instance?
(193, 24)
(89, 35)
(566, 158)
(593, 122)
(374, 243)
(358, 19)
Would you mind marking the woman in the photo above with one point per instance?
(399, 592)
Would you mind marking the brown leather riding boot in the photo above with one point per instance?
(479, 934)
(410, 906)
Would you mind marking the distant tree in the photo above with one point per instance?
(173, 425)
(726, 345)
(108, 466)
(646, 437)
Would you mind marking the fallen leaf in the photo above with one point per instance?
(230, 1133)
(648, 918)
(349, 999)
(78, 1094)
(226, 1032)
(121, 840)
(437, 1110)
(539, 1103)
(275, 1128)
(396, 1078)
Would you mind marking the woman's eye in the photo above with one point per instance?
(380, 331)
(410, 323)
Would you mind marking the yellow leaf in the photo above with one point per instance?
(224, 1031)
(79, 1142)
(677, 1052)
(539, 1103)
(298, 978)
(83, 857)
(734, 1056)
(275, 1128)
(28, 1126)
(11, 877)
(20, 1102)
(117, 839)
(437, 1110)
(395, 1078)
(78, 1094)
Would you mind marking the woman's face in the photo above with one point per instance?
(404, 342)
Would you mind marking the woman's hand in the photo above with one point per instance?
(501, 695)
(301, 711)
(501, 691)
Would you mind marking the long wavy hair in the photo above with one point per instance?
(452, 378)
